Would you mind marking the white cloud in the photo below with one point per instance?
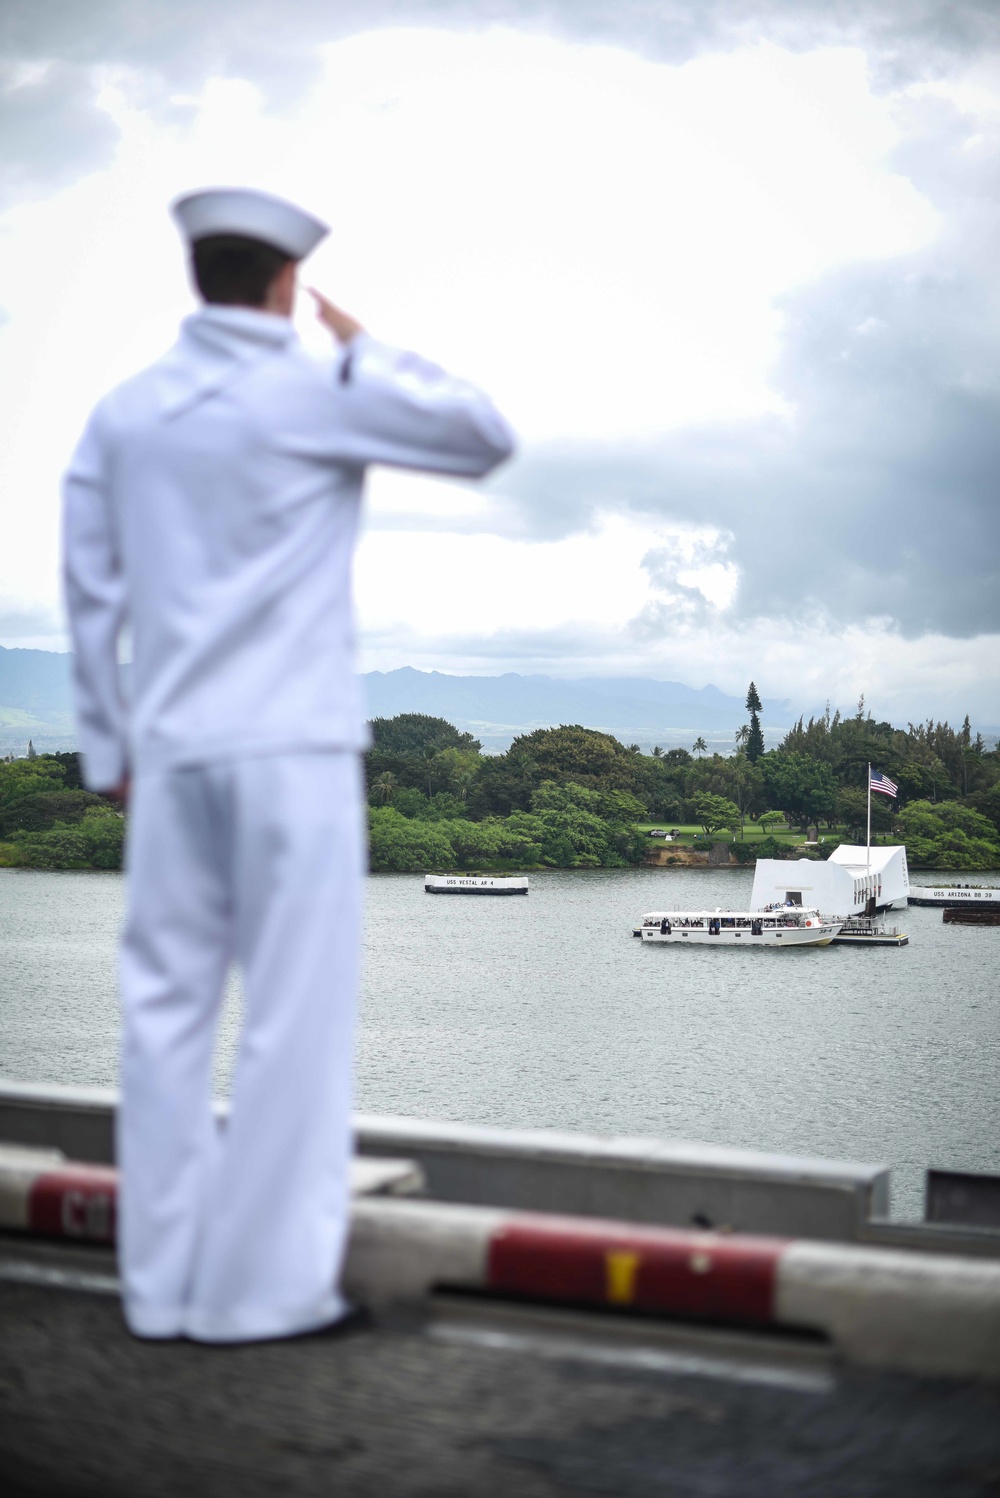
(448, 583)
(629, 597)
(600, 239)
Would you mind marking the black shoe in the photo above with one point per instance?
(354, 1319)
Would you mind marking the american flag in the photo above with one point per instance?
(882, 783)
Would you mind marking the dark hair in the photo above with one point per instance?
(235, 271)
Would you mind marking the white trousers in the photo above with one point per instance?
(235, 1234)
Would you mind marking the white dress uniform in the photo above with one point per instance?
(212, 506)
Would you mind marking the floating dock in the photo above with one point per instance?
(859, 932)
(971, 915)
(473, 884)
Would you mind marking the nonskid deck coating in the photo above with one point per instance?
(402, 1409)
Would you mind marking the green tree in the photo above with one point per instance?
(987, 803)
(803, 788)
(506, 782)
(699, 746)
(612, 806)
(103, 832)
(411, 802)
(755, 737)
(21, 778)
(851, 808)
(43, 809)
(443, 806)
(736, 779)
(412, 733)
(716, 812)
(385, 786)
(949, 836)
(403, 845)
(71, 768)
(582, 755)
(462, 782)
(493, 843)
(430, 757)
(771, 819)
(457, 769)
(582, 826)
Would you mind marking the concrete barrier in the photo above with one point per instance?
(924, 1313)
(43, 1192)
(919, 1313)
(79, 1121)
(667, 1182)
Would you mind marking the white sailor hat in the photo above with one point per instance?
(253, 214)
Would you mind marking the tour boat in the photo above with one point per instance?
(779, 926)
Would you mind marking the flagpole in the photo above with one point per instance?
(868, 860)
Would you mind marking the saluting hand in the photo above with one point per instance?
(342, 325)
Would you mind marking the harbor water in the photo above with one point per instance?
(545, 1012)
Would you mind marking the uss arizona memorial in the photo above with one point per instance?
(854, 880)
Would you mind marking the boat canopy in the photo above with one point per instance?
(785, 912)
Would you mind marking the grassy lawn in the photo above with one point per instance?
(691, 831)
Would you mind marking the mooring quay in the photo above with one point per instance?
(551, 1314)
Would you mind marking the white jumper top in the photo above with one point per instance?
(212, 505)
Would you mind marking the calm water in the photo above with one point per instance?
(546, 1012)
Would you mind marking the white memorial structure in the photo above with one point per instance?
(843, 884)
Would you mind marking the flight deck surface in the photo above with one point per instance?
(459, 1398)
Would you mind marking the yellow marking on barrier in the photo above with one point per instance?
(622, 1266)
(699, 1263)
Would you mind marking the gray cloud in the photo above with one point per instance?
(29, 622)
(881, 496)
(52, 129)
(677, 603)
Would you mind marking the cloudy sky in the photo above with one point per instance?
(728, 265)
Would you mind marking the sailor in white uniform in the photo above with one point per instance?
(212, 507)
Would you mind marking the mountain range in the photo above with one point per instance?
(634, 708)
(35, 703)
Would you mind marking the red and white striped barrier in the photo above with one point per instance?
(924, 1313)
(41, 1192)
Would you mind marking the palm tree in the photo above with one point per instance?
(430, 755)
(461, 782)
(699, 746)
(742, 734)
(385, 786)
(657, 751)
